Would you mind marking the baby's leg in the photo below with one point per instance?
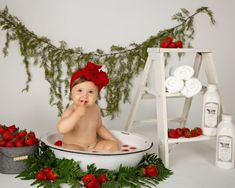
(107, 145)
(74, 147)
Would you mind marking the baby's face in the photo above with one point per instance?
(85, 93)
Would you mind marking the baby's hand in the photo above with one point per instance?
(81, 108)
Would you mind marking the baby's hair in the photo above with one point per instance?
(79, 80)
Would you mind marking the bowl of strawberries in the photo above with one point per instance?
(15, 146)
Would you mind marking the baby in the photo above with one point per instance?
(81, 124)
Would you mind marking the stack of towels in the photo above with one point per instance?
(181, 80)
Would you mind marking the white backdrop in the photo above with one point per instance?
(100, 24)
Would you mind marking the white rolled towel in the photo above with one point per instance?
(183, 72)
(173, 84)
(191, 88)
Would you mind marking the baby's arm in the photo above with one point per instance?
(70, 117)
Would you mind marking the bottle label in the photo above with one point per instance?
(211, 111)
(225, 145)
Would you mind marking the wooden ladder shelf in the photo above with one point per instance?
(156, 63)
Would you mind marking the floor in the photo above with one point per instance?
(193, 165)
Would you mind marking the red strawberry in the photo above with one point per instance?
(187, 134)
(58, 143)
(12, 128)
(51, 175)
(7, 135)
(19, 144)
(185, 129)
(151, 170)
(168, 39)
(179, 44)
(172, 133)
(165, 44)
(22, 133)
(179, 132)
(2, 129)
(47, 169)
(2, 143)
(172, 45)
(9, 144)
(89, 179)
(102, 178)
(199, 131)
(193, 133)
(29, 141)
(32, 134)
(41, 175)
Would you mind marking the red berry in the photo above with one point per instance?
(12, 128)
(2, 129)
(7, 135)
(165, 44)
(172, 45)
(102, 178)
(151, 170)
(193, 133)
(58, 143)
(168, 39)
(41, 175)
(199, 131)
(29, 141)
(89, 179)
(172, 133)
(2, 143)
(187, 134)
(9, 144)
(19, 144)
(179, 44)
(179, 132)
(51, 175)
(22, 134)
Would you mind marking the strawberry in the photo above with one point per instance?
(22, 134)
(102, 178)
(172, 133)
(185, 129)
(32, 134)
(151, 170)
(165, 44)
(89, 180)
(47, 169)
(179, 132)
(198, 130)
(9, 144)
(51, 175)
(179, 44)
(193, 133)
(172, 45)
(58, 143)
(2, 143)
(7, 135)
(187, 134)
(2, 129)
(29, 141)
(168, 39)
(19, 144)
(41, 176)
(12, 128)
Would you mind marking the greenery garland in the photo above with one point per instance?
(122, 63)
(68, 171)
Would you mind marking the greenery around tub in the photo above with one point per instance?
(68, 172)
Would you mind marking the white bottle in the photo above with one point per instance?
(225, 143)
(211, 111)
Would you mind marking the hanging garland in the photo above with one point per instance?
(122, 63)
(48, 171)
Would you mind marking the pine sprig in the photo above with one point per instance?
(122, 63)
(69, 171)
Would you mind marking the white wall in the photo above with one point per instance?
(99, 24)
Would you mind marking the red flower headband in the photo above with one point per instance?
(91, 73)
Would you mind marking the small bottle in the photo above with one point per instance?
(225, 143)
(211, 111)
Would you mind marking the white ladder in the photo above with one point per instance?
(156, 62)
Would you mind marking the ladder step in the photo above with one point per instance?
(193, 139)
(154, 121)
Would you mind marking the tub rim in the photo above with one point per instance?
(44, 140)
